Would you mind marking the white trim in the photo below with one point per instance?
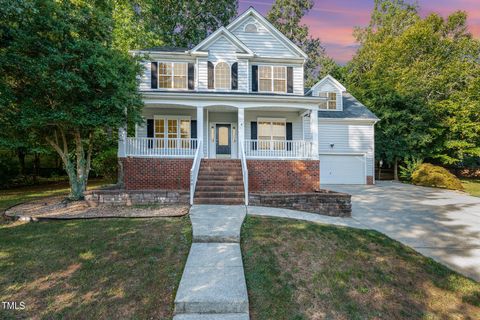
(225, 32)
(214, 152)
(271, 121)
(165, 125)
(248, 24)
(343, 120)
(280, 36)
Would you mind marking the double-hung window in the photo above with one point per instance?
(172, 75)
(174, 132)
(272, 134)
(272, 78)
(331, 100)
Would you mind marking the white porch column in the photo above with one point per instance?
(122, 142)
(314, 131)
(200, 127)
(241, 129)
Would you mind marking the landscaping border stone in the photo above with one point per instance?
(325, 202)
(133, 197)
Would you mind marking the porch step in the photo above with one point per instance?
(220, 194)
(219, 200)
(220, 182)
(221, 188)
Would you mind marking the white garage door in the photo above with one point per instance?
(342, 169)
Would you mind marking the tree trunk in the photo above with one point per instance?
(21, 159)
(77, 171)
(36, 166)
(395, 170)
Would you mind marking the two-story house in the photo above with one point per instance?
(231, 116)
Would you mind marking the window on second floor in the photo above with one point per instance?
(172, 75)
(330, 103)
(222, 76)
(272, 78)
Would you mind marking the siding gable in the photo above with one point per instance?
(262, 42)
(328, 86)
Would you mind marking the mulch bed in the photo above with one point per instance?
(60, 208)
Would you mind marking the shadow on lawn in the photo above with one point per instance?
(95, 269)
(301, 270)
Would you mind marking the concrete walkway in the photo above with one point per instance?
(440, 224)
(213, 283)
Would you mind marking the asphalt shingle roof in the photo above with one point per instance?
(352, 109)
(165, 49)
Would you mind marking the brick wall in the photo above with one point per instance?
(369, 180)
(283, 176)
(163, 174)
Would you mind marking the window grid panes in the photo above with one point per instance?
(271, 135)
(279, 79)
(222, 76)
(330, 103)
(172, 75)
(172, 129)
(265, 78)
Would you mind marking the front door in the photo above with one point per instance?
(224, 139)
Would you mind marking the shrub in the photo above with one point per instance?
(105, 164)
(9, 170)
(411, 165)
(430, 175)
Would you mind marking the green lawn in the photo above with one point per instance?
(10, 197)
(300, 270)
(472, 186)
(93, 269)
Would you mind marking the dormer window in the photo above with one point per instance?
(330, 103)
(222, 76)
(251, 28)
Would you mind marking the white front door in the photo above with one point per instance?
(342, 169)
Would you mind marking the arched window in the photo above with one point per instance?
(222, 76)
(251, 28)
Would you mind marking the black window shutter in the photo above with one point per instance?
(235, 76)
(191, 76)
(211, 83)
(253, 134)
(289, 135)
(150, 132)
(154, 77)
(289, 79)
(254, 78)
(193, 132)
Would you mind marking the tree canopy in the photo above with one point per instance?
(286, 16)
(420, 76)
(63, 79)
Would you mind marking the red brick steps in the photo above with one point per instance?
(219, 182)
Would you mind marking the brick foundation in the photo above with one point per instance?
(283, 176)
(369, 180)
(328, 203)
(158, 174)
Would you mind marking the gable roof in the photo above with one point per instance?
(274, 31)
(352, 109)
(222, 31)
(334, 81)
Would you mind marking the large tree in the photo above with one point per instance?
(184, 23)
(63, 81)
(286, 16)
(420, 76)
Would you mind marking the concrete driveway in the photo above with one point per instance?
(441, 224)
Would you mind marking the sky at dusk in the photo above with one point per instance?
(333, 20)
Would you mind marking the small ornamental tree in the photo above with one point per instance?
(64, 81)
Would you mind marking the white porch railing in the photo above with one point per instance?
(159, 147)
(194, 171)
(281, 149)
(243, 159)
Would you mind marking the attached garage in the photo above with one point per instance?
(342, 169)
